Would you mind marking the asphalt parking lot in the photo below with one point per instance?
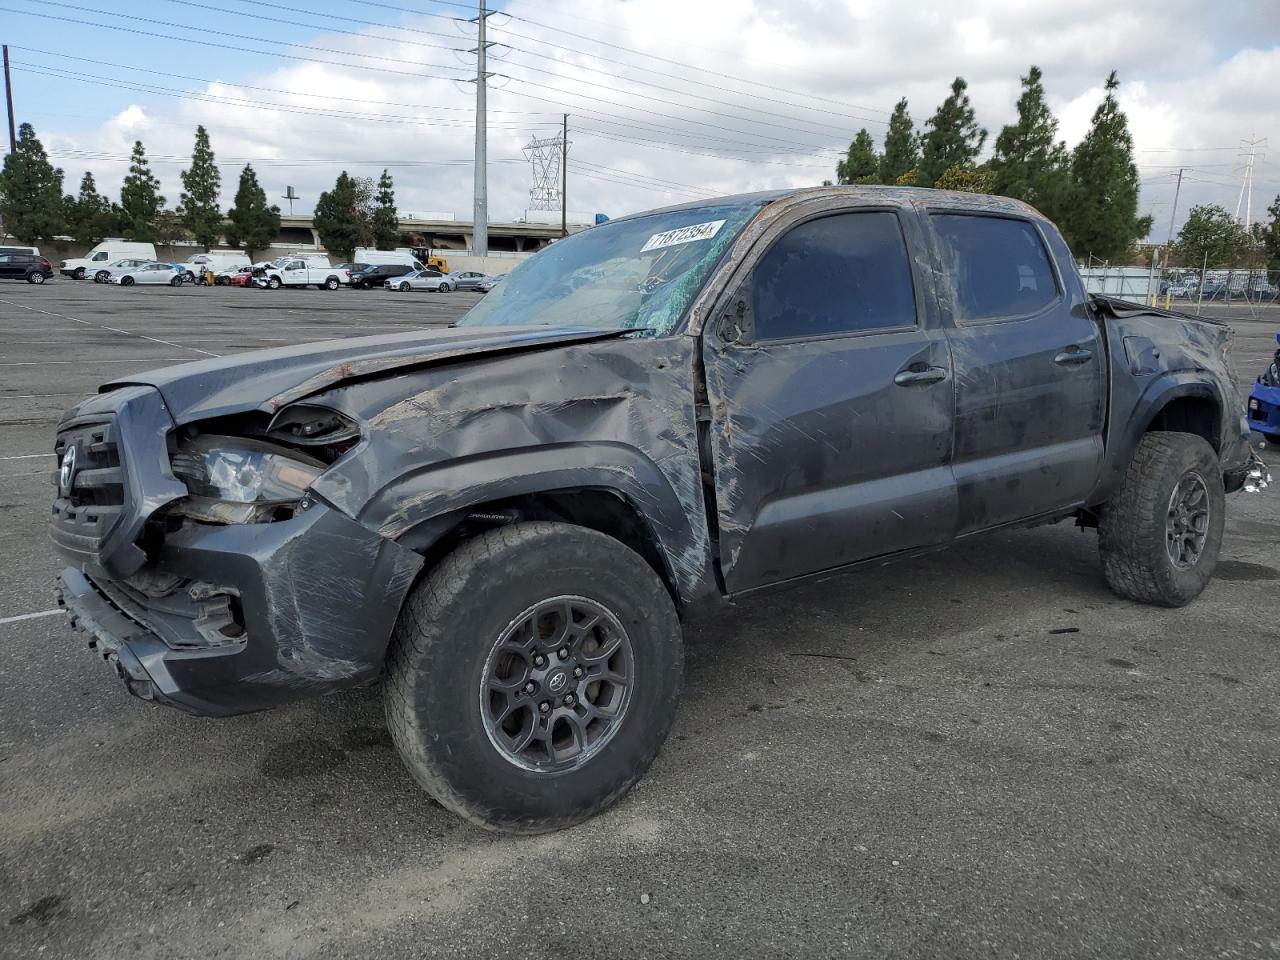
(983, 753)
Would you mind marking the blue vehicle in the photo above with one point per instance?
(1264, 401)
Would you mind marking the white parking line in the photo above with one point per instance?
(42, 363)
(103, 326)
(27, 456)
(30, 616)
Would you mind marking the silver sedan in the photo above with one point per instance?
(149, 273)
(422, 280)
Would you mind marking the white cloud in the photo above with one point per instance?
(1187, 87)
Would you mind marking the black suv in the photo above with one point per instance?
(24, 266)
(378, 274)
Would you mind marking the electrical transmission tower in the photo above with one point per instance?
(1245, 200)
(545, 154)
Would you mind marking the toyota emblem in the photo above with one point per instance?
(68, 472)
(558, 682)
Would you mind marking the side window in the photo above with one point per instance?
(99, 257)
(297, 265)
(846, 273)
(998, 266)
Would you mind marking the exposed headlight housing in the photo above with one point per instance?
(239, 480)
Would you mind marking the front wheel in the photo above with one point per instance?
(126, 281)
(1160, 535)
(533, 676)
(404, 288)
(177, 281)
(78, 273)
(101, 276)
(274, 283)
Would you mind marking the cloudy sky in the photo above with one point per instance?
(667, 100)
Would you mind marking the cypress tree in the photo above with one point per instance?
(861, 165)
(1102, 219)
(336, 217)
(89, 214)
(901, 146)
(386, 226)
(952, 136)
(254, 224)
(201, 184)
(140, 199)
(1030, 163)
(31, 202)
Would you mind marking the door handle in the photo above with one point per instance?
(921, 376)
(1073, 356)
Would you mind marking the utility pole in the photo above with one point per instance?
(480, 217)
(1173, 216)
(8, 99)
(564, 176)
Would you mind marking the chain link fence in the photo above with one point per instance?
(1185, 288)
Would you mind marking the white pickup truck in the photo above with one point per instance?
(300, 271)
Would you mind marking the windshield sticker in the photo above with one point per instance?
(697, 231)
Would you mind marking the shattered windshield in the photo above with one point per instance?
(637, 274)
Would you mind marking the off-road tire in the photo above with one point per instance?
(1132, 526)
(439, 654)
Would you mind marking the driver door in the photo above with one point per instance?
(831, 403)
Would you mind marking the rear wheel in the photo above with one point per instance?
(35, 277)
(331, 283)
(445, 288)
(533, 676)
(126, 281)
(1160, 535)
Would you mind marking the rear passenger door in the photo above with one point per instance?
(831, 403)
(1029, 371)
(9, 267)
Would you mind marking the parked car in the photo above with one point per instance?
(296, 271)
(1182, 290)
(1264, 401)
(104, 253)
(466, 279)
(377, 274)
(242, 278)
(507, 520)
(226, 277)
(103, 274)
(419, 280)
(215, 261)
(169, 273)
(488, 283)
(32, 268)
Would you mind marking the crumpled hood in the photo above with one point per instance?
(270, 379)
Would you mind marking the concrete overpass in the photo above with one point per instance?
(297, 232)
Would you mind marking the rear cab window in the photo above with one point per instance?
(846, 273)
(997, 268)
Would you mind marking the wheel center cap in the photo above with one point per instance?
(558, 682)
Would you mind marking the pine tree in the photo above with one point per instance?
(140, 199)
(337, 218)
(1030, 163)
(952, 136)
(1101, 220)
(861, 165)
(254, 225)
(901, 146)
(89, 215)
(32, 207)
(200, 187)
(386, 226)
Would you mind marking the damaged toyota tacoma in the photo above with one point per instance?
(505, 522)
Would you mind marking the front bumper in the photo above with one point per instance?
(257, 614)
(1264, 409)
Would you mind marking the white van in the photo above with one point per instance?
(215, 261)
(105, 252)
(378, 258)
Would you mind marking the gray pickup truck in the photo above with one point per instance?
(505, 522)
